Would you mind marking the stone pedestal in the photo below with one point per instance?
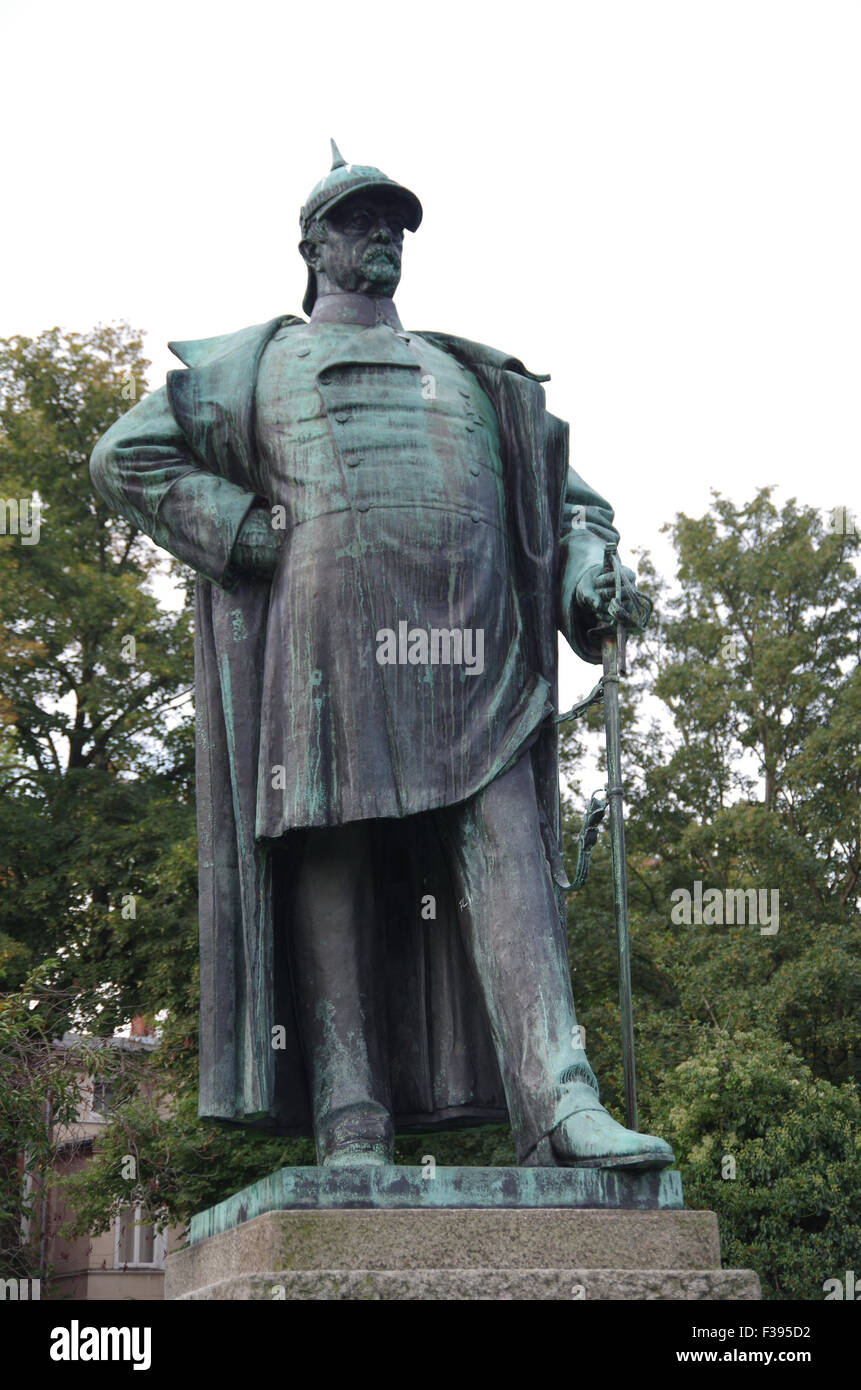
(464, 1233)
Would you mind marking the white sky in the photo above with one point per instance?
(658, 201)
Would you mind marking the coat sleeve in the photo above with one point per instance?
(587, 526)
(143, 468)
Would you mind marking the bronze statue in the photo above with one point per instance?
(387, 536)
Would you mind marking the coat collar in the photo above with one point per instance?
(199, 352)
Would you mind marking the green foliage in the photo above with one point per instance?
(96, 760)
(748, 778)
(775, 1152)
(488, 1146)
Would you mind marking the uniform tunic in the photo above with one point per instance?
(384, 454)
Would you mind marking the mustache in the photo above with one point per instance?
(382, 253)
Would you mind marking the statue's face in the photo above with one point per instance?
(363, 246)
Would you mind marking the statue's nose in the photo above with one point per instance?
(382, 232)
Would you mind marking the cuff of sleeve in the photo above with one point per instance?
(581, 623)
(255, 551)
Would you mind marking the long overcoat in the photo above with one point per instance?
(189, 487)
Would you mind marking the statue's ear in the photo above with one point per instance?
(310, 253)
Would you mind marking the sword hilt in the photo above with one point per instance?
(626, 609)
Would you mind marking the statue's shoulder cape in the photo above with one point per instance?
(200, 352)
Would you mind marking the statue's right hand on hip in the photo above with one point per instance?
(257, 546)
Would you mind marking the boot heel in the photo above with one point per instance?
(542, 1156)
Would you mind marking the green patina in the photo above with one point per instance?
(393, 1187)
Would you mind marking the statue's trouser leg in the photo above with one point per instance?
(334, 944)
(510, 927)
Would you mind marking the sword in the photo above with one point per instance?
(613, 655)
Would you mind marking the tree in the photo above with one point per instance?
(40, 1094)
(746, 777)
(96, 762)
(775, 1152)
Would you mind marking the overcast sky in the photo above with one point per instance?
(657, 201)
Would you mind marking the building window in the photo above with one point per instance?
(103, 1096)
(137, 1245)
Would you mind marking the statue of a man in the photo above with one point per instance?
(387, 537)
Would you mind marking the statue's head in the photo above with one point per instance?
(353, 230)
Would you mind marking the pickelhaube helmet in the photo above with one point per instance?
(342, 181)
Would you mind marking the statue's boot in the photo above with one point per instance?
(337, 973)
(589, 1137)
(361, 1134)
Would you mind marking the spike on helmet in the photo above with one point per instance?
(342, 181)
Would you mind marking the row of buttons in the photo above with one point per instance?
(325, 380)
(342, 417)
(474, 417)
